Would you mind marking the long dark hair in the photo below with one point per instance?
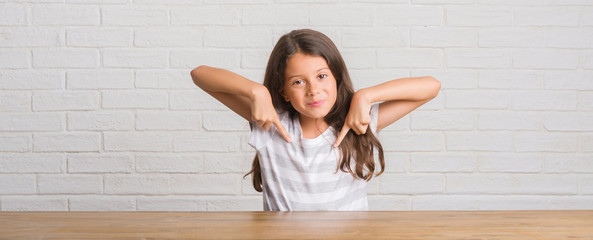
(359, 148)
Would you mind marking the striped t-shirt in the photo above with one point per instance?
(302, 176)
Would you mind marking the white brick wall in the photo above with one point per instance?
(98, 111)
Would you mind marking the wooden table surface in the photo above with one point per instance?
(298, 225)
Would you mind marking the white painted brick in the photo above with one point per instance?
(577, 80)
(509, 120)
(95, 120)
(374, 37)
(34, 203)
(164, 79)
(412, 184)
(205, 184)
(570, 203)
(216, 58)
(509, 163)
(585, 185)
(587, 18)
(137, 141)
(341, 15)
(135, 58)
(511, 184)
(161, 120)
(254, 59)
(452, 79)
(102, 203)
(68, 15)
(478, 16)
(479, 141)
(98, 37)
(409, 16)
(17, 184)
(511, 2)
(238, 203)
(225, 121)
(363, 78)
(545, 142)
(226, 163)
(194, 100)
(13, 15)
(97, 1)
(32, 163)
(66, 58)
(586, 143)
(587, 59)
(156, 203)
(32, 122)
(275, 15)
(67, 142)
(359, 58)
(31, 37)
(569, 38)
(215, 15)
(168, 37)
(443, 37)
(477, 58)
(170, 2)
(511, 203)
(410, 58)
(544, 100)
(483, 99)
(135, 99)
(100, 163)
(389, 203)
(100, 79)
(36, 79)
(247, 187)
(441, 120)
(586, 101)
(444, 202)
(134, 16)
(65, 100)
(568, 163)
(546, 17)
(416, 141)
(569, 2)
(136, 184)
(403, 124)
(441, 1)
(232, 37)
(512, 37)
(15, 59)
(70, 184)
(17, 143)
(15, 102)
(207, 142)
(168, 163)
(396, 162)
(546, 59)
(511, 79)
(569, 121)
(442, 162)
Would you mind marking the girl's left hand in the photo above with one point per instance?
(358, 118)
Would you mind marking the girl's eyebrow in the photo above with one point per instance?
(298, 75)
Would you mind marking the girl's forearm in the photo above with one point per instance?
(215, 80)
(407, 89)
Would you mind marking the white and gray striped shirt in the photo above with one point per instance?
(303, 175)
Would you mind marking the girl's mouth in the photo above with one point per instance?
(316, 103)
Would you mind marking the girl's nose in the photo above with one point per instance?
(313, 88)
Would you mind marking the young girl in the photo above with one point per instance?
(314, 136)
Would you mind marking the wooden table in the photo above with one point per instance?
(298, 225)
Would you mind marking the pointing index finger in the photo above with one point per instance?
(341, 136)
(283, 131)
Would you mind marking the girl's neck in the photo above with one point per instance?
(312, 127)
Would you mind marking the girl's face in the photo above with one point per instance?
(309, 85)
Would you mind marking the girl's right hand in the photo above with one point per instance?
(264, 113)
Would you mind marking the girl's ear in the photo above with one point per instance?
(284, 95)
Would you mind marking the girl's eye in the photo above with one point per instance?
(297, 82)
(323, 75)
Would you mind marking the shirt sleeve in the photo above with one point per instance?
(374, 117)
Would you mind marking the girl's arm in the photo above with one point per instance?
(399, 97)
(249, 99)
